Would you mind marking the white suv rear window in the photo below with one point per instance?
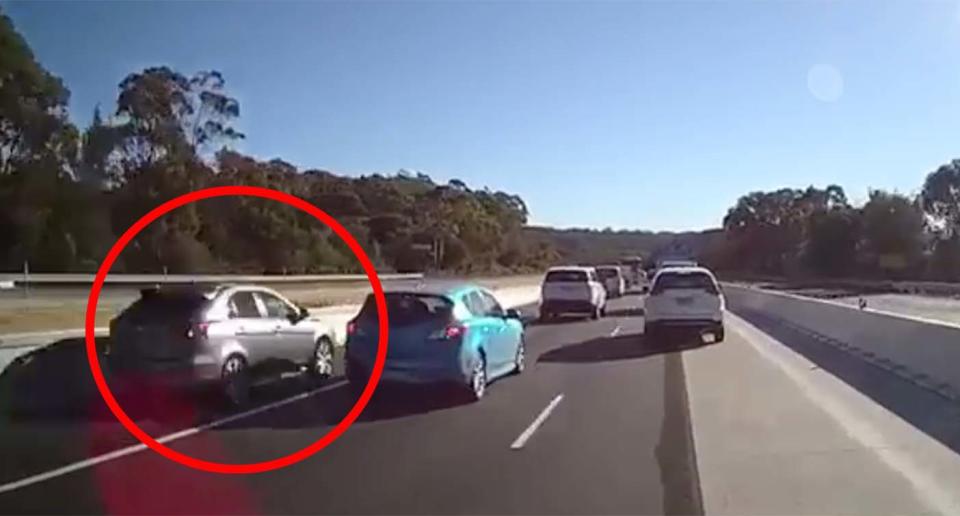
(566, 277)
(688, 281)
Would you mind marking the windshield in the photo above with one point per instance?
(639, 257)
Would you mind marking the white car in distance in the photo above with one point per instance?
(684, 298)
(612, 278)
(572, 290)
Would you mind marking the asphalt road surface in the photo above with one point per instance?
(615, 439)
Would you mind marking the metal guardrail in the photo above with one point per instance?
(20, 279)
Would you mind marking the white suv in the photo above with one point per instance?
(572, 290)
(612, 278)
(687, 297)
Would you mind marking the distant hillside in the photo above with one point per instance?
(590, 246)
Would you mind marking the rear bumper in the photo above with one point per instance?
(682, 317)
(407, 371)
(700, 325)
(175, 375)
(680, 323)
(561, 306)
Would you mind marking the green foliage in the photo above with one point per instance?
(940, 199)
(945, 260)
(167, 115)
(767, 229)
(33, 119)
(547, 246)
(65, 197)
(832, 240)
(817, 232)
(893, 231)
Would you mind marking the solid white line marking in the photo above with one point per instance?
(616, 331)
(528, 433)
(130, 450)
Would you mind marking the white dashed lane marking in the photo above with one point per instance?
(528, 433)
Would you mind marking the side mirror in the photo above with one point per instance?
(513, 313)
(301, 314)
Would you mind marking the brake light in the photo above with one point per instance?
(454, 331)
(198, 330)
(352, 327)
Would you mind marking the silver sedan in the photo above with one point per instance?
(226, 336)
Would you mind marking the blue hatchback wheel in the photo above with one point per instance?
(519, 363)
(478, 379)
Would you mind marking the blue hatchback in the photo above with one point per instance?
(438, 334)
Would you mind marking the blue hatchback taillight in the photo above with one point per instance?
(451, 332)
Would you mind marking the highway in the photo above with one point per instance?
(601, 422)
(412, 451)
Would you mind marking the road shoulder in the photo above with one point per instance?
(774, 434)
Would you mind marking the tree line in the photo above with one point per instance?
(819, 232)
(66, 193)
(606, 246)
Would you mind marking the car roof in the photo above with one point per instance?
(223, 287)
(182, 290)
(617, 267)
(685, 269)
(223, 290)
(571, 268)
(445, 288)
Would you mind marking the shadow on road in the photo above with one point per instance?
(330, 407)
(630, 311)
(53, 384)
(928, 411)
(53, 381)
(621, 347)
(394, 401)
(560, 319)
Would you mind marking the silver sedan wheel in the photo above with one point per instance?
(236, 381)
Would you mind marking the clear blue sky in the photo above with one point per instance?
(652, 115)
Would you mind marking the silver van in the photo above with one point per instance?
(227, 336)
